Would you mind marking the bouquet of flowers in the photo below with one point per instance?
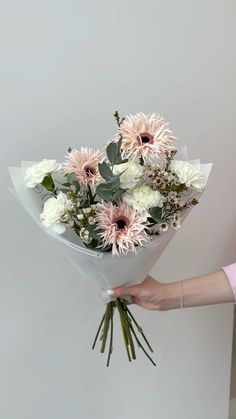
(114, 211)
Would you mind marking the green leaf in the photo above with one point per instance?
(75, 183)
(119, 144)
(178, 188)
(71, 177)
(94, 244)
(95, 234)
(69, 150)
(84, 203)
(104, 170)
(121, 173)
(120, 161)
(104, 191)
(114, 182)
(112, 152)
(117, 194)
(77, 186)
(156, 214)
(48, 183)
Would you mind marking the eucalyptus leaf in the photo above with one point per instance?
(104, 191)
(120, 161)
(112, 152)
(119, 144)
(121, 173)
(104, 170)
(114, 182)
(71, 177)
(118, 194)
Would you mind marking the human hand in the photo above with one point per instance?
(152, 294)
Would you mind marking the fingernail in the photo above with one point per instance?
(110, 292)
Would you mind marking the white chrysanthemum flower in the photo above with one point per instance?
(142, 198)
(131, 176)
(35, 174)
(188, 174)
(56, 210)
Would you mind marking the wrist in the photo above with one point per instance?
(173, 296)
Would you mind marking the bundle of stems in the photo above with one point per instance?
(129, 327)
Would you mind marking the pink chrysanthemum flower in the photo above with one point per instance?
(146, 136)
(84, 163)
(122, 227)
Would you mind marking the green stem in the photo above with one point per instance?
(127, 322)
(124, 333)
(111, 334)
(106, 328)
(127, 327)
(97, 334)
(90, 195)
(136, 324)
(141, 346)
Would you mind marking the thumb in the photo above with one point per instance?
(122, 291)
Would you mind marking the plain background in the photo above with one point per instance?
(66, 66)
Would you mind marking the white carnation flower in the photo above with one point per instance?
(56, 211)
(131, 176)
(142, 198)
(188, 174)
(36, 173)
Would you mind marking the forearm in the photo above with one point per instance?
(207, 289)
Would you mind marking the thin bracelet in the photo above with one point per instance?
(181, 294)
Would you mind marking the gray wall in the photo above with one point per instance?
(65, 67)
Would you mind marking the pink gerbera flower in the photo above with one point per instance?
(146, 136)
(84, 163)
(122, 227)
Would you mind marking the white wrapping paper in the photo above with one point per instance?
(105, 270)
